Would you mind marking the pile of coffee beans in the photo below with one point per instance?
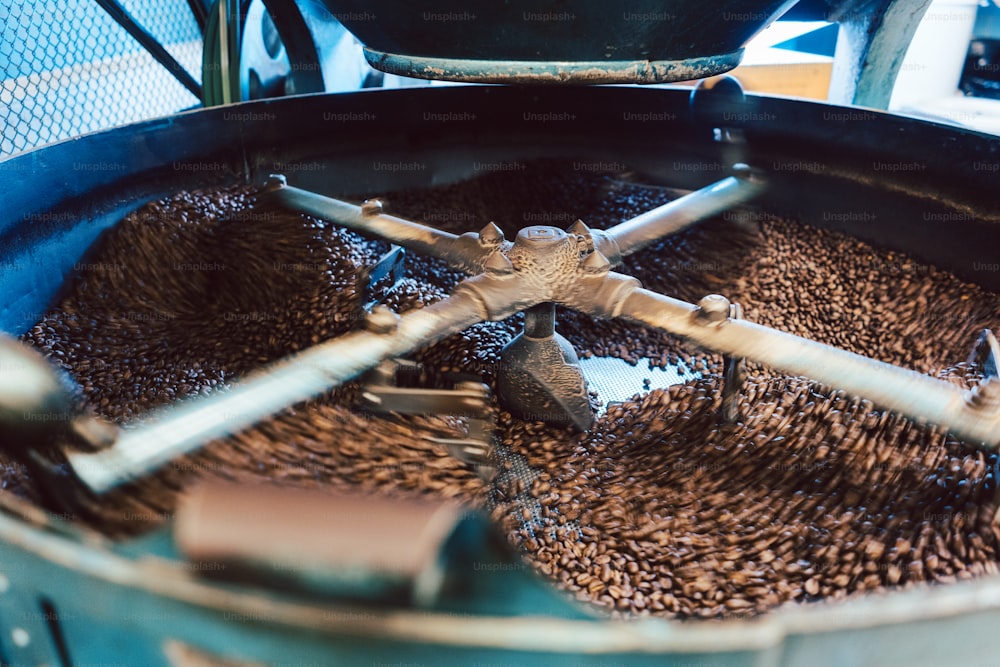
(660, 508)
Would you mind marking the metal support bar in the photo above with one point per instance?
(230, 25)
(467, 252)
(391, 265)
(899, 390)
(424, 401)
(148, 42)
(465, 399)
(734, 376)
(200, 12)
(190, 425)
(540, 320)
(643, 230)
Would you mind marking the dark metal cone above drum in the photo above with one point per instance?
(638, 41)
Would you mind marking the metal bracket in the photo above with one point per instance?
(735, 376)
(377, 281)
(986, 354)
(394, 386)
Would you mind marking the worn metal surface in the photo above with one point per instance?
(115, 606)
(638, 41)
(384, 393)
(917, 396)
(345, 546)
(591, 72)
(540, 377)
(871, 45)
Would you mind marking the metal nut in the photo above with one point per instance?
(371, 207)
(382, 320)
(275, 182)
(713, 309)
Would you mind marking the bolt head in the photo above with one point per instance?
(371, 207)
(745, 172)
(986, 395)
(491, 235)
(275, 182)
(595, 262)
(714, 308)
(579, 228)
(20, 637)
(95, 431)
(382, 320)
(539, 236)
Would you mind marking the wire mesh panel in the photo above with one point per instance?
(67, 68)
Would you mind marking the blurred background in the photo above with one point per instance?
(77, 66)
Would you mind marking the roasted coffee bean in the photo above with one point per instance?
(659, 509)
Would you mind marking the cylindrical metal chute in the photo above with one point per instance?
(638, 41)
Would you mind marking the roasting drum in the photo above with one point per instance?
(925, 189)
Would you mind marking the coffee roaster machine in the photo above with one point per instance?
(458, 596)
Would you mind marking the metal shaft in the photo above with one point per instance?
(899, 390)
(643, 230)
(182, 429)
(540, 320)
(465, 253)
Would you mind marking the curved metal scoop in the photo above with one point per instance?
(540, 377)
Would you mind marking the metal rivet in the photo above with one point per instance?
(714, 308)
(20, 637)
(275, 182)
(382, 320)
(371, 207)
(491, 235)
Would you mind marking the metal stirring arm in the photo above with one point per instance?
(471, 251)
(973, 415)
(652, 226)
(468, 252)
(190, 425)
(542, 266)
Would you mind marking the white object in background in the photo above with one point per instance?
(974, 113)
(933, 64)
